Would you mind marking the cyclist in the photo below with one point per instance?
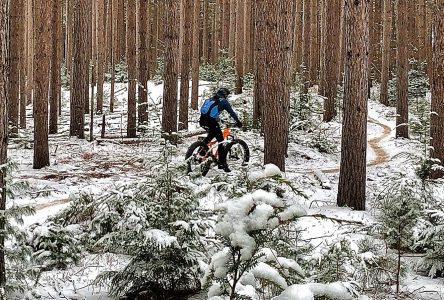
(209, 120)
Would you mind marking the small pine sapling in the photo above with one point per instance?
(399, 212)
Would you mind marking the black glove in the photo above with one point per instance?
(238, 124)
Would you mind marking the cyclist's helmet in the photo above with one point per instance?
(223, 92)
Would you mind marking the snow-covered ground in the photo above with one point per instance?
(78, 166)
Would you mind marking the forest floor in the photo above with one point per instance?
(78, 166)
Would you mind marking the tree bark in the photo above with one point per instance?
(131, 58)
(55, 68)
(278, 51)
(185, 64)
(239, 45)
(352, 177)
(100, 33)
(332, 57)
(306, 41)
(4, 98)
(16, 10)
(169, 113)
(437, 116)
(80, 69)
(196, 61)
(42, 59)
(259, 53)
(402, 104)
(143, 61)
(386, 36)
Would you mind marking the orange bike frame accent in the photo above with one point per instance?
(225, 134)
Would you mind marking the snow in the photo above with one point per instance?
(265, 271)
(308, 291)
(78, 166)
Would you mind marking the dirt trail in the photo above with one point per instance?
(381, 155)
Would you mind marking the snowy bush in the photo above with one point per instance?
(17, 253)
(158, 225)
(250, 227)
(55, 247)
(430, 238)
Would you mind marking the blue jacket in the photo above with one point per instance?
(224, 105)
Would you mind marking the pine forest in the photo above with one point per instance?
(222, 149)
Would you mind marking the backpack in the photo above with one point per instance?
(210, 108)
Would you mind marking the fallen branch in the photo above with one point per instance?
(322, 216)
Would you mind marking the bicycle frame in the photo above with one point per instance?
(213, 144)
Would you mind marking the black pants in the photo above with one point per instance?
(214, 131)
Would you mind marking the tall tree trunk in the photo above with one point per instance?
(14, 92)
(42, 59)
(298, 31)
(185, 64)
(169, 113)
(55, 67)
(247, 38)
(195, 63)
(30, 52)
(143, 61)
(121, 46)
(100, 32)
(4, 98)
(80, 69)
(232, 37)
(306, 41)
(402, 104)
(239, 45)
(314, 44)
(205, 33)
(421, 29)
(332, 57)
(437, 117)
(386, 36)
(131, 58)
(352, 177)
(259, 53)
(278, 52)
(22, 43)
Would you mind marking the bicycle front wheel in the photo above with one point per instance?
(238, 153)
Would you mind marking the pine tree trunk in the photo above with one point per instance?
(14, 92)
(196, 60)
(306, 46)
(259, 53)
(332, 57)
(42, 59)
(100, 32)
(169, 113)
(121, 46)
(226, 25)
(4, 98)
(239, 45)
(314, 45)
(437, 117)
(298, 31)
(278, 51)
(143, 61)
(185, 64)
(352, 177)
(131, 59)
(80, 69)
(247, 38)
(22, 119)
(205, 34)
(377, 63)
(55, 68)
(402, 105)
(232, 37)
(421, 29)
(29, 52)
(386, 36)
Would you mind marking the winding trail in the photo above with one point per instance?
(381, 157)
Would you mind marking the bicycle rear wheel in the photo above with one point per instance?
(238, 153)
(197, 158)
